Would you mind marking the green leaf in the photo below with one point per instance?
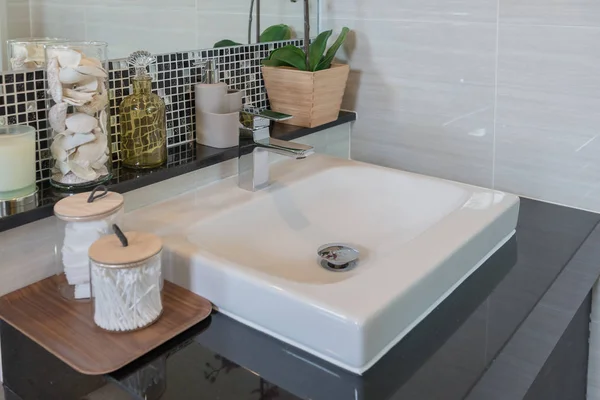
(276, 33)
(290, 55)
(317, 49)
(226, 43)
(326, 61)
(275, 63)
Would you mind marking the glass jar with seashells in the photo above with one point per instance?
(27, 53)
(142, 118)
(77, 81)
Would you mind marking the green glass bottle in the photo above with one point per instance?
(142, 119)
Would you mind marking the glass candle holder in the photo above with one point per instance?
(126, 281)
(17, 163)
(77, 81)
(28, 53)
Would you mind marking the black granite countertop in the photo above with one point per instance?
(181, 160)
(514, 329)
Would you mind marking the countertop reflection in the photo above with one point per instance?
(442, 358)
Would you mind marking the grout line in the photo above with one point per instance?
(196, 23)
(85, 23)
(496, 94)
(29, 2)
(320, 5)
(178, 86)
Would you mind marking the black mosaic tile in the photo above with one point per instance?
(174, 74)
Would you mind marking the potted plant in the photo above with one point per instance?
(307, 83)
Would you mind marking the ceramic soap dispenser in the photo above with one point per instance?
(142, 118)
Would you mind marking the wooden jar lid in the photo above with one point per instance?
(77, 208)
(109, 251)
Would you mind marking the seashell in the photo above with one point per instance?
(92, 151)
(54, 85)
(102, 171)
(57, 116)
(58, 148)
(19, 56)
(103, 120)
(69, 76)
(83, 171)
(63, 167)
(89, 85)
(18, 63)
(68, 178)
(90, 62)
(66, 57)
(98, 102)
(98, 72)
(19, 50)
(74, 102)
(35, 53)
(77, 140)
(76, 98)
(81, 123)
(98, 164)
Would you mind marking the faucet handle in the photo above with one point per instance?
(254, 134)
(267, 114)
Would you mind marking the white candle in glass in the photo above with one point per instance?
(17, 161)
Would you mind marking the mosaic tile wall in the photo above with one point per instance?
(23, 95)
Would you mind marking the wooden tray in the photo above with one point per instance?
(67, 330)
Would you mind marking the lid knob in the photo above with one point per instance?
(94, 196)
(120, 235)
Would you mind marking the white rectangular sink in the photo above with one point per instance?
(254, 255)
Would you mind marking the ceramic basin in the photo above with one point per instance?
(254, 255)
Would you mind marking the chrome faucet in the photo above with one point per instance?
(253, 157)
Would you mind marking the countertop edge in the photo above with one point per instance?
(517, 366)
(288, 133)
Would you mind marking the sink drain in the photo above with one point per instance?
(337, 257)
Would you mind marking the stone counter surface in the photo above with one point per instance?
(517, 328)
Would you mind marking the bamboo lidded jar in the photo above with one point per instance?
(126, 280)
(82, 219)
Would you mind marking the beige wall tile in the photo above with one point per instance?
(555, 12)
(156, 25)
(424, 92)
(547, 113)
(499, 93)
(18, 19)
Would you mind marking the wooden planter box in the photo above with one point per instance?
(313, 98)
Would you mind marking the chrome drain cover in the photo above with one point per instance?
(338, 257)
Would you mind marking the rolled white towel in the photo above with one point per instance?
(74, 258)
(82, 291)
(76, 276)
(75, 236)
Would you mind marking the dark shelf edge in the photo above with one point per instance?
(280, 131)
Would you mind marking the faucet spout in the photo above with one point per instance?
(253, 165)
